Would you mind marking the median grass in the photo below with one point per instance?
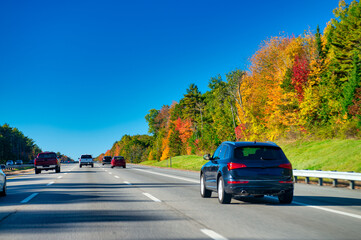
(333, 154)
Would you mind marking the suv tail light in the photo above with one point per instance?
(232, 165)
(286, 165)
(237, 182)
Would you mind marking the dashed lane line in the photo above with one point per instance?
(128, 183)
(49, 183)
(60, 176)
(116, 176)
(29, 198)
(213, 234)
(152, 197)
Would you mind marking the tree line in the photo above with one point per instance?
(14, 145)
(305, 86)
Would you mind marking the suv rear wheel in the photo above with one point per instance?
(223, 197)
(37, 171)
(205, 193)
(57, 169)
(286, 197)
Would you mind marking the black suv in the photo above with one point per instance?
(247, 168)
(106, 160)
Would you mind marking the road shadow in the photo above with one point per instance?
(308, 200)
(52, 219)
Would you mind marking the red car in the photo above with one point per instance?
(118, 161)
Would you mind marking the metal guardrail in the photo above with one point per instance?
(334, 175)
(12, 167)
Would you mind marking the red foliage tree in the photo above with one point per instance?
(300, 71)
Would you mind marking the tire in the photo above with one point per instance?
(3, 192)
(37, 171)
(80, 166)
(123, 166)
(57, 169)
(223, 197)
(205, 193)
(92, 165)
(286, 198)
(112, 167)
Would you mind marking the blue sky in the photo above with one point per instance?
(76, 76)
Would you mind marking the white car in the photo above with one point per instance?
(2, 182)
(86, 160)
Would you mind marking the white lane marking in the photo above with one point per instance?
(127, 183)
(106, 170)
(152, 197)
(213, 234)
(29, 198)
(65, 173)
(170, 176)
(116, 176)
(49, 183)
(109, 172)
(60, 176)
(330, 210)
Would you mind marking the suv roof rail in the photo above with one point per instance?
(233, 143)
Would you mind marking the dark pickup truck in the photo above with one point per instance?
(46, 161)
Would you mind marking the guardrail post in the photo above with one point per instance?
(307, 180)
(352, 184)
(334, 182)
(320, 181)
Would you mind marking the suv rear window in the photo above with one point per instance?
(257, 153)
(47, 155)
(118, 158)
(107, 158)
(86, 156)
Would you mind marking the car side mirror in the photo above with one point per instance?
(2, 166)
(207, 157)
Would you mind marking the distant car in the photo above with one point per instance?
(18, 162)
(106, 160)
(46, 161)
(118, 161)
(86, 160)
(31, 161)
(2, 181)
(9, 162)
(247, 168)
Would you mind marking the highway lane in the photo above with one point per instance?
(150, 203)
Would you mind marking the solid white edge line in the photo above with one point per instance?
(170, 176)
(116, 176)
(213, 234)
(152, 197)
(49, 183)
(29, 198)
(329, 210)
(127, 183)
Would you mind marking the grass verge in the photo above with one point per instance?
(332, 154)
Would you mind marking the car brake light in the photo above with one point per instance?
(231, 165)
(286, 165)
(285, 181)
(237, 182)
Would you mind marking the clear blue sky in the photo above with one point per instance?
(76, 76)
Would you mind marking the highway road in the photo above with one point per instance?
(150, 203)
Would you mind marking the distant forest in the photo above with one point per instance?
(305, 86)
(14, 145)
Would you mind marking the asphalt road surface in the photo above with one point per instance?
(151, 203)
